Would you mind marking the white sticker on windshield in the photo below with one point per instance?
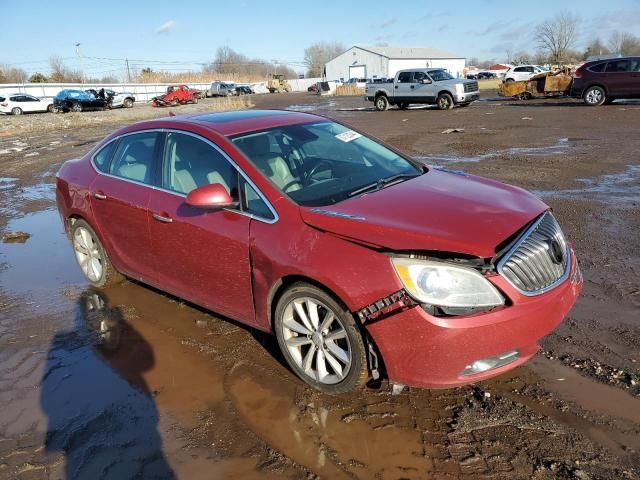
(348, 136)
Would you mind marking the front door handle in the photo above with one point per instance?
(99, 196)
(396, 86)
(162, 219)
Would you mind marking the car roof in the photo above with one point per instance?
(236, 122)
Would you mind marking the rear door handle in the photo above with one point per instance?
(99, 196)
(413, 86)
(162, 218)
(396, 86)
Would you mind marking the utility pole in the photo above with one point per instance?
(79, 54)
(126, 60)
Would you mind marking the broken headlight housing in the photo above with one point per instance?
(446, 285)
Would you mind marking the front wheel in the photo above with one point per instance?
(445, 101)
(320, 340)
(381, 103)
(76, 107)
(51, 108)
(594, 96)
(91, 256)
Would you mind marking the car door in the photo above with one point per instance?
(403, 87)
(423, 91)
(33, 104)
(619, 77)
(120, 200)
(201, 255)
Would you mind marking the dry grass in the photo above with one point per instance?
(349, 90)
(38, 123)
(194, 77)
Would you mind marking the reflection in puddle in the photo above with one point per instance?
(562, 146)
(615, 188)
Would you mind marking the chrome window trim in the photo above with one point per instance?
(520, 241)
(270, 221)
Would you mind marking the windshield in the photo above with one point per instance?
(323, 163)
(439, 75)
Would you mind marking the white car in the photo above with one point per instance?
(522, 73)
(120, 99)
(19, 103)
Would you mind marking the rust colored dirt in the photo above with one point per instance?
(131, 383)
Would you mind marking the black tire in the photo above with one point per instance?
(381, 103)
(16, 111)
(445, 101)
(525, 96)
(76, 107)
(109, 275)
(51, 108)
(357, 373)
(594, 96)
(195, 99)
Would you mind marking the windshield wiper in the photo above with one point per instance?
(384, 182)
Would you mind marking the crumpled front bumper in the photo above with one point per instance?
(421, 350)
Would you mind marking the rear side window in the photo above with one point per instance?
(133, 158)
(405, 77)
(617, 66)
(598, 67)
(101, 159)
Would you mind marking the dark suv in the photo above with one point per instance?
(603, 81)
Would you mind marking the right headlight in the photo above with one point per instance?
(446, 285)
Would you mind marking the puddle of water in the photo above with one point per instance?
(40, 191)
(41, 267)
(561, 147)
(615, 188)
(7, 183)
(312, 107)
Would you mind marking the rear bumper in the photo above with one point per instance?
(426, 351)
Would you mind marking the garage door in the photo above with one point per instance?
(359, 71)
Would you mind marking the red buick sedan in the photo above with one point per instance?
(359, 259)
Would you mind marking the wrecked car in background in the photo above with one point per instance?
(176, 95)
(359, 259)
(77, 101)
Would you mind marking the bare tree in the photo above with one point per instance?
(231, 63)
(521, 58)
(60, 73)
(557, 35)
(10, 74)
(596, 47)
(318, 54)
(624, 43)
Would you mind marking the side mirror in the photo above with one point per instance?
(212, 196)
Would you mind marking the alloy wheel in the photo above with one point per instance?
(316, 340)
(594, 96)
(87, 254)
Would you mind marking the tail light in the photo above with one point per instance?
(366, 89)
(578, 72)
(3, 104)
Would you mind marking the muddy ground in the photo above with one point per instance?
(132, 383)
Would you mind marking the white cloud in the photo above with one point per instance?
(166, 27)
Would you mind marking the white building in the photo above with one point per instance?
(384, 62)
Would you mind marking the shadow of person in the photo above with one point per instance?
(101, 413)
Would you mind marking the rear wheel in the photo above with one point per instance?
(194, 99)
(51, 108)
(320, 340)
(445, 101)
(381, 103)
(594, 96)
(16, 111)
(91, 256)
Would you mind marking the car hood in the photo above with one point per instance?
(438, 211)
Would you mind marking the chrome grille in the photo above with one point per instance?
(470, 87)
(539, 260)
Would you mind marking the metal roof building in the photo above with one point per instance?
(384, 62)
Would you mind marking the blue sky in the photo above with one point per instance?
(189, 32)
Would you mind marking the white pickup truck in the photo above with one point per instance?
(422, 85)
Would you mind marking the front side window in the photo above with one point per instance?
(440, 75)
(323, 163)
(190, 162)
(134, 156)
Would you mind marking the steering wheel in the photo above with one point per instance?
(316, 169)
(291, 183)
